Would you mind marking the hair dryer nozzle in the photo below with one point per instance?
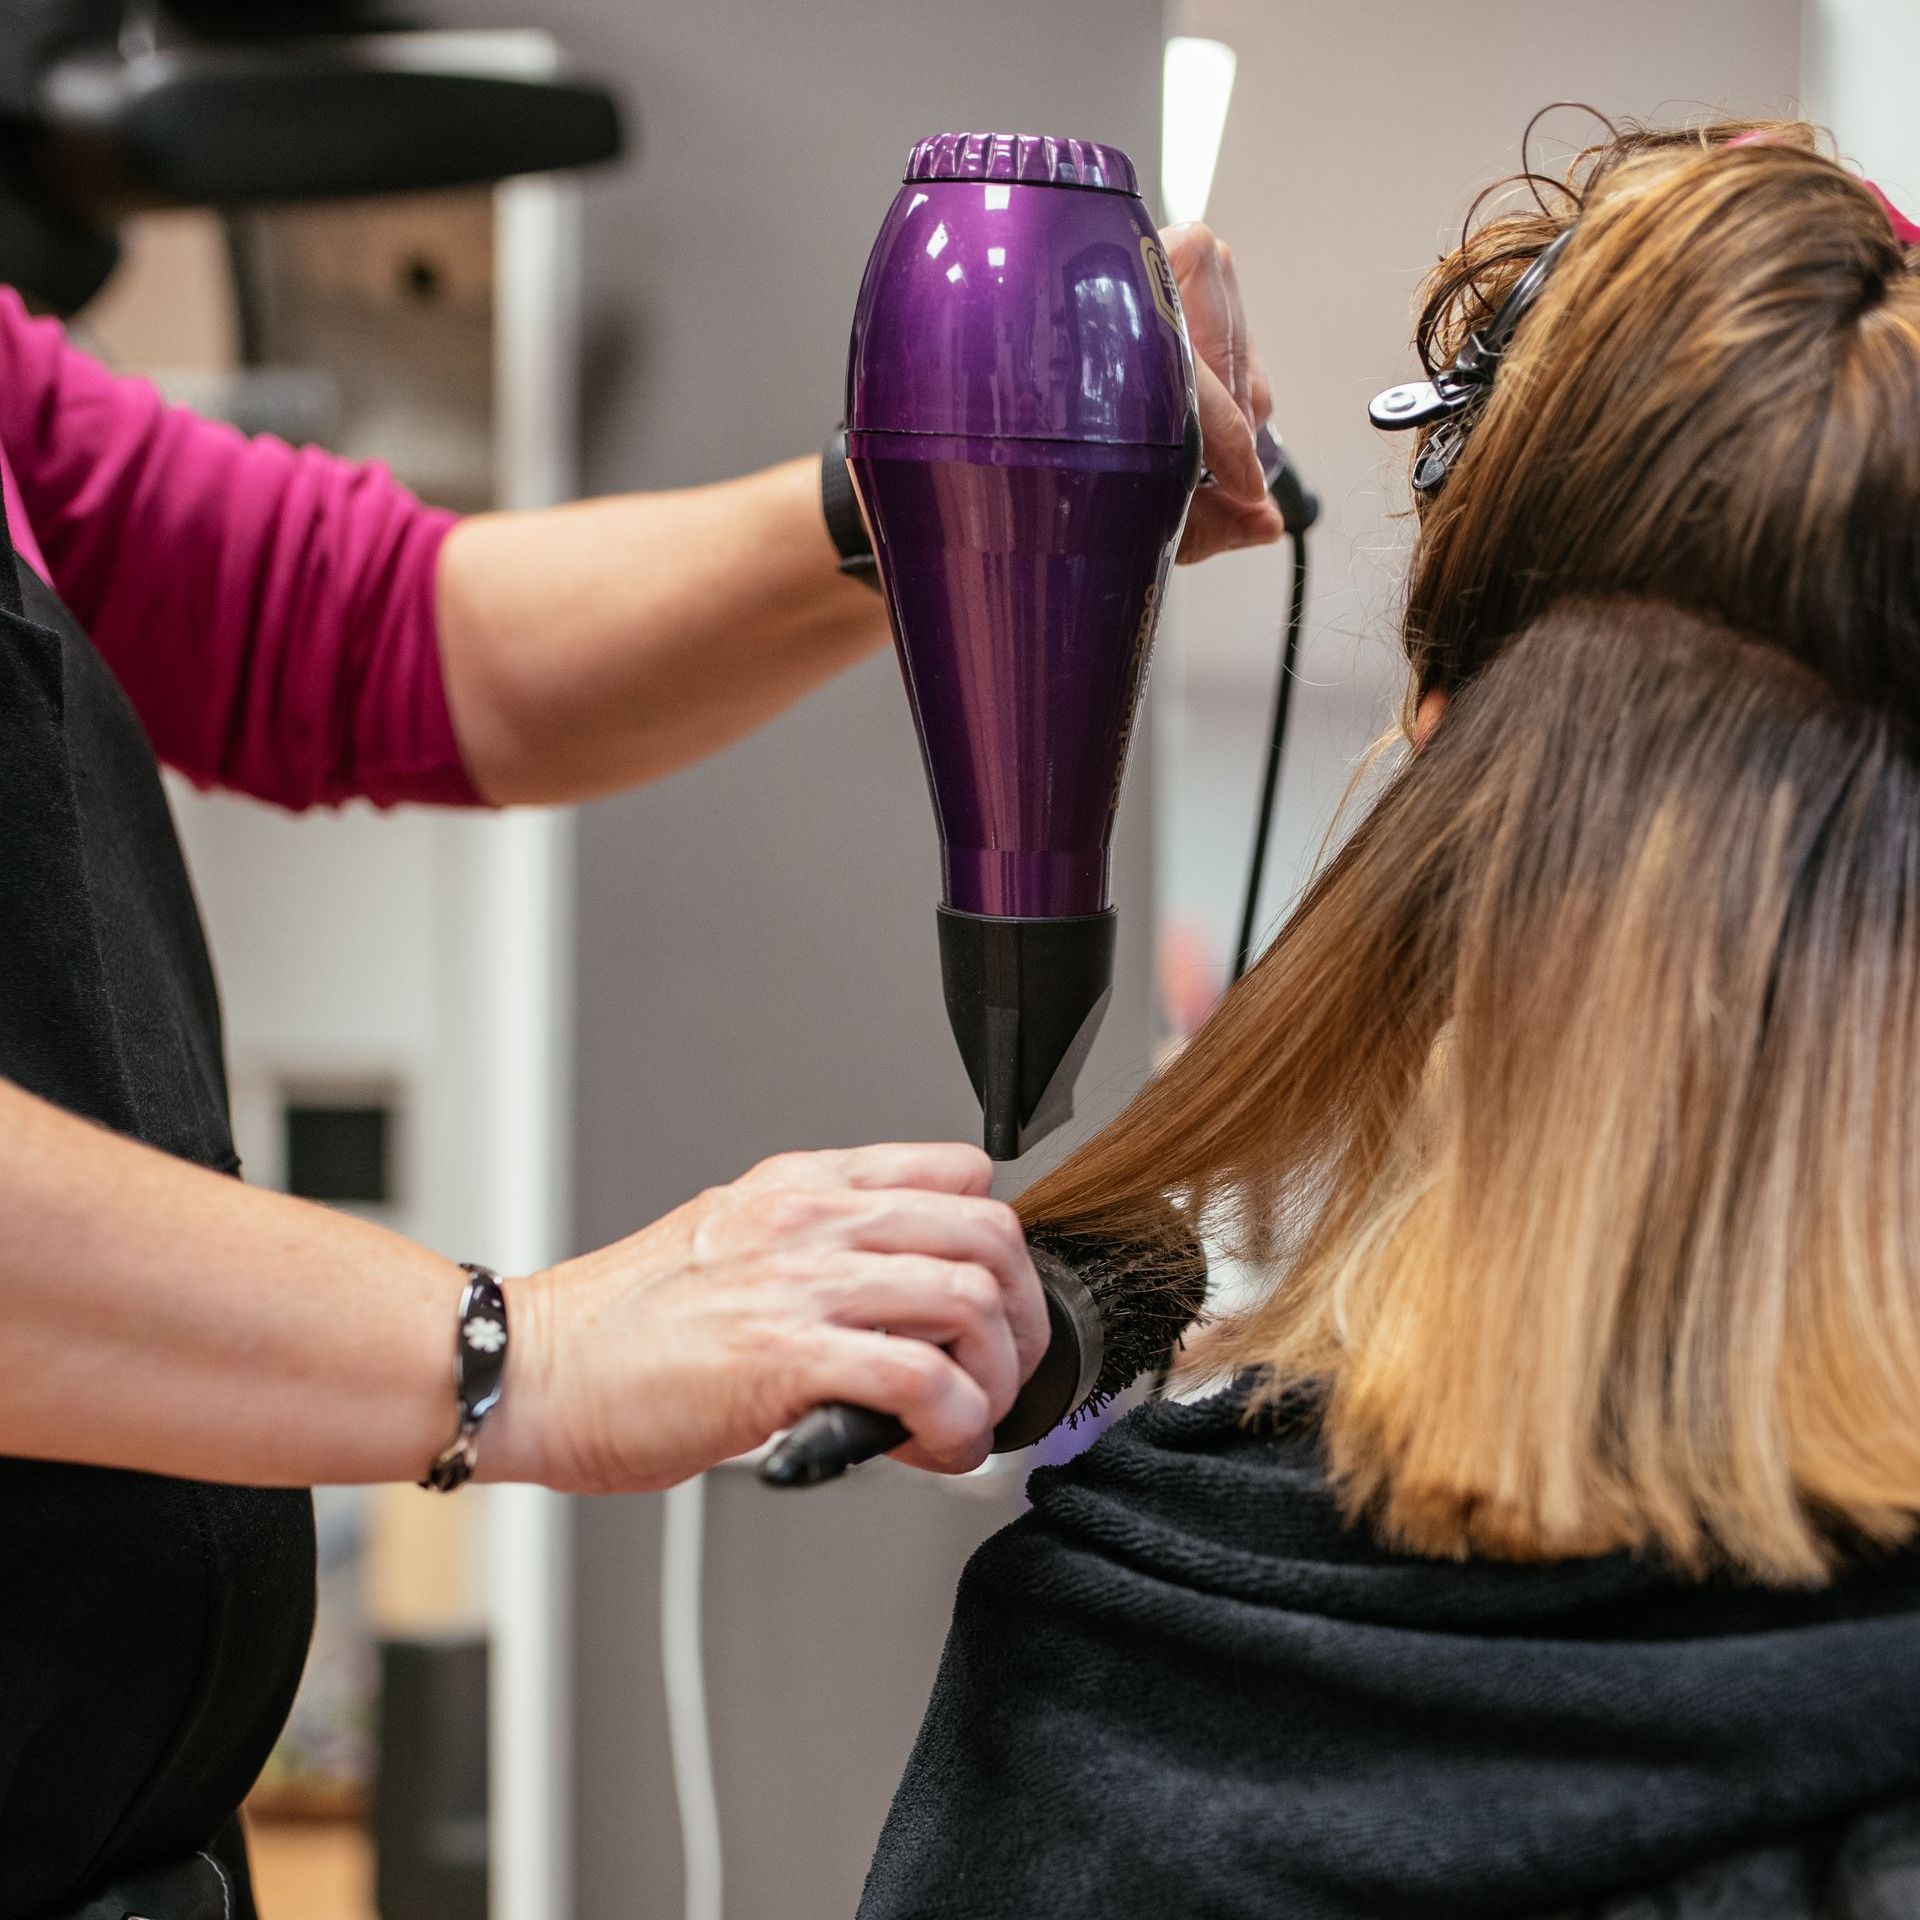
(1025, 998)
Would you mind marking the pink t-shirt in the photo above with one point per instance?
(270, 611)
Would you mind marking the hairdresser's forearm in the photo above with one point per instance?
(593, 646)
(156, 1315)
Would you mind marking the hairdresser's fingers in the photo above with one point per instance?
(1231, 381)
(977, 1233)
(1262, 389)
(913, 1454)
(1217, 329)
(1240, 351)
(944, 1302)
(939, 1403)
(940, 1166)
(951, 1226)
(1218, 524)
(815, 1223)
(1206, 299)
(810, 1228)
(1259, 387)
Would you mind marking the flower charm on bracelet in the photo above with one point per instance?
(486, 1336)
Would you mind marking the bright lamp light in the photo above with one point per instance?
(1196, 84)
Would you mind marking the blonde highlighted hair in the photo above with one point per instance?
(1577, 1106)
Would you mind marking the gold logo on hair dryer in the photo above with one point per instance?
(1161, 283)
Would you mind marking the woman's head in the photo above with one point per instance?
(1715, 402)
(1578, 1104)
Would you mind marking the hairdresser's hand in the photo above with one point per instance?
(1235, 399)
(716, 1327)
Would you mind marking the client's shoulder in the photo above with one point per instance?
(1209, 1508)
(1236, 1467)
(1225, 1497)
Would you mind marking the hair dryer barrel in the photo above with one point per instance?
(1024, 593)
(1023, 437)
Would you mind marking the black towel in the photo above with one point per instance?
(1181, 1686)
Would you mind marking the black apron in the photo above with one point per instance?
(152, 1630)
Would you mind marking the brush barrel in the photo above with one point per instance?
(1076, 1347)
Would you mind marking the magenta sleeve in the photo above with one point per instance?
(269, 611)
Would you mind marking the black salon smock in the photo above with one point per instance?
(152, 1630)
(1183, 1685)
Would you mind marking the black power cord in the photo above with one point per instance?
(1276, 744)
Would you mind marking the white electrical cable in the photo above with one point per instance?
(683, 1530)
(683, 1663)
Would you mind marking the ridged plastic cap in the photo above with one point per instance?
(1033, 159)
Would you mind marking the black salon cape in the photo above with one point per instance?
(1180, 1687)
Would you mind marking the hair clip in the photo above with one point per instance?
(1457, 391)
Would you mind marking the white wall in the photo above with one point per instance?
(1859, 60)
(1356, 138)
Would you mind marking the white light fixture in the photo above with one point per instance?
(1196, 84)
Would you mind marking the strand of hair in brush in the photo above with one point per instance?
(1276, 746)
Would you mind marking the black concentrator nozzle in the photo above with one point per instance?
(1113, 1311)
(1024, 998)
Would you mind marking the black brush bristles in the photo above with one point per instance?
(1148, 1296)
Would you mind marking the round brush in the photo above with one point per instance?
(1114, 1311)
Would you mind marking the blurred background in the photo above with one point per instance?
(520, 1037)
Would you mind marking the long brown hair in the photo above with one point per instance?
(1577, 1106)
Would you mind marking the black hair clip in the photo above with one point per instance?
(1450, 400)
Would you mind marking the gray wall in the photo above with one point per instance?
(757, 968)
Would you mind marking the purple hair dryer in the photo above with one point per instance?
(1023, 437)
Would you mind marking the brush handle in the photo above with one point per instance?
(823, 1444)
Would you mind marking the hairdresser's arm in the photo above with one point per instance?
(156, 1315)
(590, 647)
